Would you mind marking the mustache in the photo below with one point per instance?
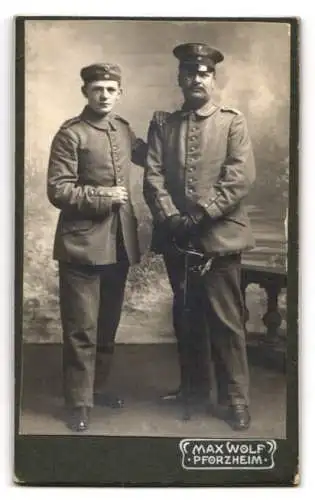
(196, 87)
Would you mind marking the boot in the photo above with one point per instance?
(78, 419)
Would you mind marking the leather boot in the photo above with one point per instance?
(239, 417)
(78, 419)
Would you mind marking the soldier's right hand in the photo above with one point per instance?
(117, 194)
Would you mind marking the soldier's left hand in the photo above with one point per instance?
(198, 216)
(180, 225)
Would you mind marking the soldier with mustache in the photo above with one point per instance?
(200, 168)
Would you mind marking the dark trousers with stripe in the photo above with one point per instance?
(216, 342)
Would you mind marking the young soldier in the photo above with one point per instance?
(96, 237)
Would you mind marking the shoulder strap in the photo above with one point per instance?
(230, 110)
(121, 119)
(160, 117)
(71, 121)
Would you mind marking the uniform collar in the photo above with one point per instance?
(206, 110)
(106, 122)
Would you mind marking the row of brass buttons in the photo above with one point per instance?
(193, 136)
(115, 150)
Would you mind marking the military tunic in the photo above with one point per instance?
(88, 156)
(203, 160)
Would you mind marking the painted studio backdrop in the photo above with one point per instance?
(254, 77)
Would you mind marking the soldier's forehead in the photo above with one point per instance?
(201, 69)
(104, 83)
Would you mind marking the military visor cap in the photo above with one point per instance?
(103, 71)
(198, 56)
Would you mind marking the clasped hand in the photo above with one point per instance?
(118, 194)
(185, 228)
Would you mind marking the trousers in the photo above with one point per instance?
(91, 299)
(216, 343)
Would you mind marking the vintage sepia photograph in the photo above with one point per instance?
(154, 266)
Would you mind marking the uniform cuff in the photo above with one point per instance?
(167, 208)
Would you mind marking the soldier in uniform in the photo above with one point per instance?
(200, 168)
(96, 236)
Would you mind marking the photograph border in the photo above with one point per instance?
(149, 461)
